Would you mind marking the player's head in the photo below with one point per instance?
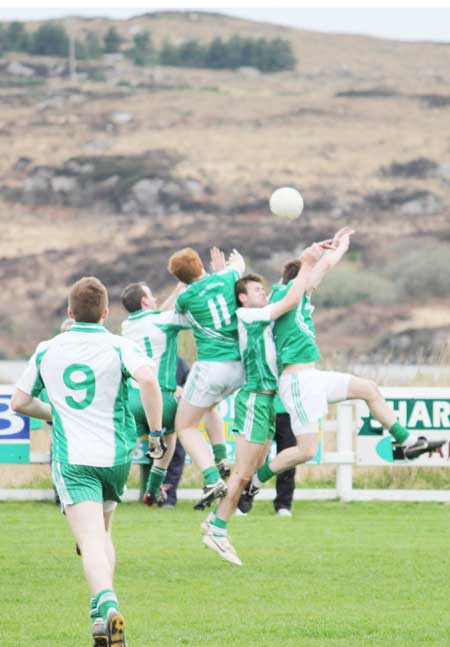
(250, 291)
(186, 265)
(88, 300)
(138, 296)
(290, 270)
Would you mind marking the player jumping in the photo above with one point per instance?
(306, 391)
(209, 304)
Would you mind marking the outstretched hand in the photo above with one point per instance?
(312, 254)
(343, 233)
(217, 259)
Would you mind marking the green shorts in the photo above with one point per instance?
(77, 483)
(170, 404)
(254, 416)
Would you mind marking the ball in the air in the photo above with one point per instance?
(286, 203)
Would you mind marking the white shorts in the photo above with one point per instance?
(305, 395)
(211, 382)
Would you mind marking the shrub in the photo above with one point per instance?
(422, 272)
(345, 287)
(112, 41)
(50, 39)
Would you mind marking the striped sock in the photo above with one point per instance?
(156, 478)
(105, 601)
(219, 451)
(219, 527)
(94, 612)
(263, 474)
(211, 475)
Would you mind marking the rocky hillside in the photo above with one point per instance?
(110, 172)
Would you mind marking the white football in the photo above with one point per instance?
(286, 203)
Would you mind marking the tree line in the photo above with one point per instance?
(52, 39)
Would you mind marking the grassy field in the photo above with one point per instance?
(336, 575)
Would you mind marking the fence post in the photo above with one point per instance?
(344, 445)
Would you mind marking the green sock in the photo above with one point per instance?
(211, 475)
(399, 433)
(219, 451)
(94, 612)
(220, 526)
(264, 473)
(105, 601)
(156, 478)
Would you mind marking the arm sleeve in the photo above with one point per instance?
(133, 358)
(231, 273)
(31, 381)
(249, 315)
(174, 319)
(180, 303)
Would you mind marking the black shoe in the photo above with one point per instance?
(245, 503)
(210, 493)
(422, 446)
(224, 468)
(151, 497)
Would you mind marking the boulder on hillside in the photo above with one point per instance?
(420, 167)
(405, 200)
(135, 184)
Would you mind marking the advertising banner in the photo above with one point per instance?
(424, 411)
(14, 430)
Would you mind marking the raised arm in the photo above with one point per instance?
(331, 258)
(169, 303)
(310, 257)
(236, 261)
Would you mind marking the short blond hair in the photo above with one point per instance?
(186, 265)
(88, 299)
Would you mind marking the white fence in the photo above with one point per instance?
(347, 424)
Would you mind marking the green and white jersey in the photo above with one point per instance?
(85, 372)
(257, 348)
(156, 333)
(210, 307)
(294, 334)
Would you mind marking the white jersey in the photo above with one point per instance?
(156, 333)
(85, 371)
(257, 348)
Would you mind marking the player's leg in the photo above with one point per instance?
(303, 395)
(248, 456)
(153, 492)
(367, 390)
(187, 421)
(285, 482)
(254, 420)
(214, 427)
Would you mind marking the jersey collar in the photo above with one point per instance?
(138, 314)
(83, 326)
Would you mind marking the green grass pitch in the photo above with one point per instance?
(335, 575)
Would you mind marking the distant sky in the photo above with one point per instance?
(396, 23)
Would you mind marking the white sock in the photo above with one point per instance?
(255, 481)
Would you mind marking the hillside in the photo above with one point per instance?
(110, 176)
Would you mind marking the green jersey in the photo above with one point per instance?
(157, 334)
(294, 334)
(209, 305)
(257, 348)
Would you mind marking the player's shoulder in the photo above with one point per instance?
(250, 315)
(230, 273)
